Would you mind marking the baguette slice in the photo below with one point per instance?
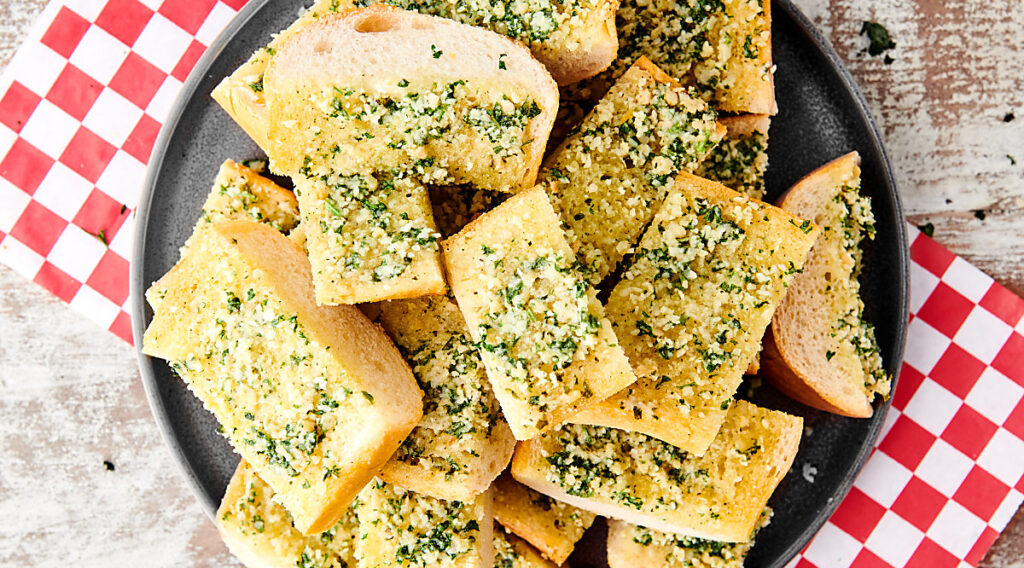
(741, 158)
(553, 527)
(692, 308)
(721, 49)
(630, 546)
(641, 480)
(511, 551)
(463, 442)
(315, 398)
(398, 527)
(241, 93)
(820, 350)
(260, 532)
(238, 193)
(616, 167)
(380, 88)
(583, 44)
(545, 342)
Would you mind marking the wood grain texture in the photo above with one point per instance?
(71, 398)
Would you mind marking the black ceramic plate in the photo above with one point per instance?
(822, 116)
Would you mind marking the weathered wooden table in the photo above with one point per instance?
(86, 479)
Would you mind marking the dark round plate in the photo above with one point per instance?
(822, 116)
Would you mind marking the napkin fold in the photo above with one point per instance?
(81, 104)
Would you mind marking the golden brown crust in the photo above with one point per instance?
(552, 527)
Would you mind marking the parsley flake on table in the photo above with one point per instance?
(928, 229)
(880, 39)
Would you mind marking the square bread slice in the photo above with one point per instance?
(630, 546)
(511, 551)
(553, 527)
(616, 167)
(398, 527)
(238, 193)
(721, 49)
(315, 398)
(644, 481)
(369, 237)
(380, 88)
(741, 158)
(260, 532)
(691, 309)
(463, 442)
(544, 340)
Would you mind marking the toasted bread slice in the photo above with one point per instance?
(616, 167)
(260, 533)
(641, 480)
(544, 340)
(552, 526)
(820, 350)
(691, 310)
(398, 527)
(315, 398)
(630, 546)
(723, 50)
(369, 237)
(241, 93)
(741, 158)
(582, 44)
(238, 193)
(511, 551)
(380, 88)
(463, 442)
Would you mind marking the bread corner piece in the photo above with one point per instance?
(630, 546)
(544, 340)
(643, 481)
(238, 193)
(616, 167)
(511, 551)
(553, 527)
(382, 88)
(463, 442)
(691, 310)
(241, 93)
(315, 398)
(400, 527)
(260, 532)
(820, 350)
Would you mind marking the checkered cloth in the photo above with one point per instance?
(80, 107)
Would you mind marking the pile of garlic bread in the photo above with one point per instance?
(521, 271)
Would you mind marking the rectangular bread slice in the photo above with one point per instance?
(398, 527)
(260, 532)
(238, 193)
(691, 309)
(544, 340)
(369, 237)
(741, 158)
(644, 481)
(463, 442)
(553, 527)
(511, 551)
(630, 546)
(616, 167)
(721, 49)
(315, 398)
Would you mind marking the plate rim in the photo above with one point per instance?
(161, 146)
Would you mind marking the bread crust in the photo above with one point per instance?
(786, 359)
(552, 527)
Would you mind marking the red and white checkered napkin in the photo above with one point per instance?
(80, 107)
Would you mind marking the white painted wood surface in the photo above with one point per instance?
(70, 396)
